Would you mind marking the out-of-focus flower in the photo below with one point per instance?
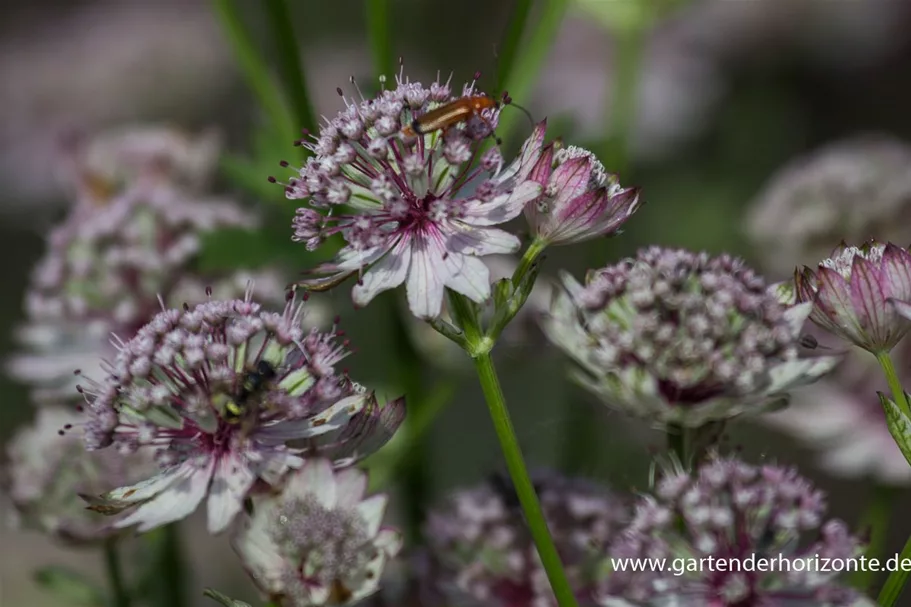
(480, 551)
(48, 467)
(410, 224)
(682, 338)
(852, 190)
(226, 393)
(520, 332)
(731, 510)
(853, 292)
(841, 419)
(580, 200)
(320, 541)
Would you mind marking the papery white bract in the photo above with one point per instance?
(408, 219)
(319, 541)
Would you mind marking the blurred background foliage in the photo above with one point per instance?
(697, 102)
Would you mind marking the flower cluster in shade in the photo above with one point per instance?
(48, 466)
(226, 394)
(479, 550)
(320, 541)
(850, 190)
(840, 419)
(731, 510)
(422, 209)
(861, 294)
(677, 337)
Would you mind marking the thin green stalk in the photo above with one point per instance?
(173, 569)
(876, 519)
(289, 63)
(380, 38)
(677, 443)
(511, 40)
(120, 596)
(621, 116)
(515, 463)
(531, 255)
(253, 66)
(898, 394)
(896, 581)
(527, 66)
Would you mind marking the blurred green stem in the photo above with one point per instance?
(120, 596)
(898, 394)
(876, 519)
(380, 39)
(527, 65)
(511, 40)
(173, 569)
(281, 23)
(896, 581)
(621, 115)
(678, 443)
(530, 256)
(254, 66)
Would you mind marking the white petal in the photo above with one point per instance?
(503, 207)
(350, 486)
(468, 276)
(174, 503)
(389, 541)
(372, 509)
(315, 477)
(388, 273)
(259, 554)
(149, 488)
(230, 484)
(470, 240)
(350, 258)
(332, 418)
(425, 280)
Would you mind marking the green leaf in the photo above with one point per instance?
(899, 425)
(70, 586)
(224, 600)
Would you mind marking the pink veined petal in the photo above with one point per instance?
(372, 509)
(469, 240)
(467, 275)
(230, 484)
(425, 280)
(868, 299)
(896, 264)
(315, 477)
(834, 306)
(388, 273)
(351, 485)
(578, 218)
(902, 307)
(503, 207)
(570, 180)
(177, 501)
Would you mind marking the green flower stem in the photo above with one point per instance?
(173, 569)
(876, 519)
(120, 596)
(898, 394)
(289, 63)
(527, 66)
(531, 255)
(896, 581)
(380, 41)
(678, 443)
(510, 47)
(621, 118)
(254, 67)
(515, 463)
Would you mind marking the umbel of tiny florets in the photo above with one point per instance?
(224, 394)
(854, 293)
(318, 542)
(402, 203)
(479, 550)
(682, 338)
(48, 467)
(733, 512)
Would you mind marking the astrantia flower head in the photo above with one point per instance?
(853, 292)
(227, 393)
(318, 542)
(682, 338)
(580, 199)
(408, 219)
(853, 189)
(48, 467)
(480, 550)
(731, 510)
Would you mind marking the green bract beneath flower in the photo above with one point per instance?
(682, 338)
(319, 542)
(855, 293)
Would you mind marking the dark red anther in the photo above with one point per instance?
(209, 291)
(272, 179)
(77, 371)
(477, 75)
(338, 90)
(283, 163)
